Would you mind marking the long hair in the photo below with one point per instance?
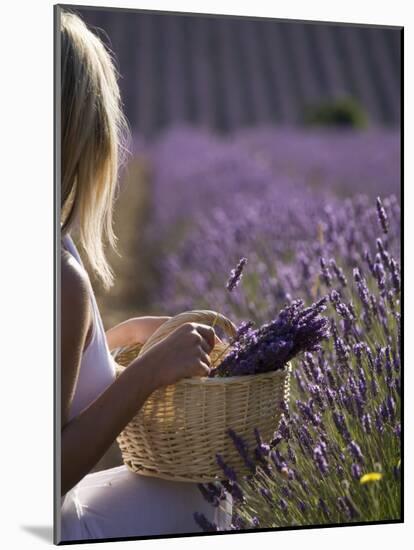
(94, 132)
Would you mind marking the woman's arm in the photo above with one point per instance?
(86, 437)
(132, 331)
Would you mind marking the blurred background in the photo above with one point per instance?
(224, 73)
(241, 127)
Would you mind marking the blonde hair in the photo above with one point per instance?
(94, 133)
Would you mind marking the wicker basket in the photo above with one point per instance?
(181, 427)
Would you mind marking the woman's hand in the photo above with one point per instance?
(133, 331)
(182, 354)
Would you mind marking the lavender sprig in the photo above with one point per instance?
(382, 216)
(236, 275)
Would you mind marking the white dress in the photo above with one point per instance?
(116, 502)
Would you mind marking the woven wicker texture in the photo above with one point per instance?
(181, 427)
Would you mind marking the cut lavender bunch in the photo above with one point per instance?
(270, 347)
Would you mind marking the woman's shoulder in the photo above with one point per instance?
(74, 287)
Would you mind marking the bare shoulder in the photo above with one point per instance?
(75, 303)
(75, 325)
(74, 283)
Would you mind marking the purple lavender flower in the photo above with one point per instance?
(362, 380)
(397, 385)
(284, 429)
(385, 257)
(382, 216)
(262, 449)
(339, 273)
(266, 494)
(395, 275)
(303, 507)
(227, 470)
(236, 275)
(278, 461)
(362, 289)
(320, 460)
(383, 410)
(367, 423)
(356, 470)
(390, 403)
(341, 348)
(283, 505)
(308, 413)
(238, 523)
(305, 437)
(379, 360)
(340, 471)
(344, 311)
(341, 426)
(286, 491)
(346, 399)
(341, 504)
(331, 396)
(350, 508)
(360, 403)
(236, 491)
(325, 273)
(374, 386)
(355, 451)
(378, 422)
(276, 440)
(242, 449)
(322, 505)
(255, 522)
(388, 362)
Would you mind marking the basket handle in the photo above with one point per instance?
(203, 316)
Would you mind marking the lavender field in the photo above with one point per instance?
(316, 213)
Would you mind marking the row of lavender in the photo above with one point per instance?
(203, 166)
(301, 207)
(272, 194)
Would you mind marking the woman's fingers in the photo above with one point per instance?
(208, 334)
(202, 369)
(205, 357)
(205, 346)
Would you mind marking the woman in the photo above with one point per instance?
(96, 406)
